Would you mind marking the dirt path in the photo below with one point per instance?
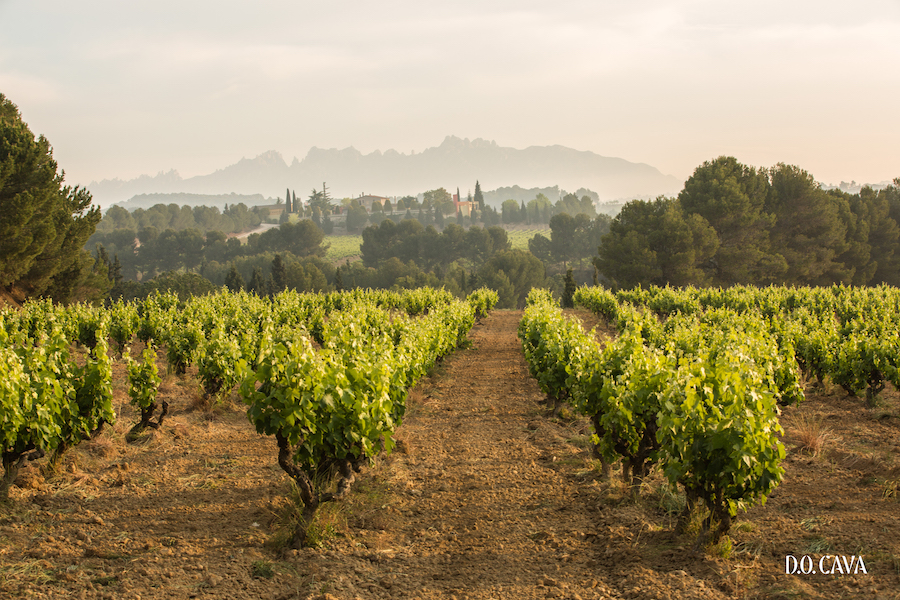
(493, 499)
(484, 512)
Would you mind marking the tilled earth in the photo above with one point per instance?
(486, 496)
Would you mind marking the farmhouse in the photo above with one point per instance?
(366, 201)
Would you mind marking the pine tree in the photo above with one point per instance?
(234, 281)
(44, 225)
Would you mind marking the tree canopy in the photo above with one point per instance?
(43, 224)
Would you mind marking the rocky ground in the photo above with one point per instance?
(487, 496)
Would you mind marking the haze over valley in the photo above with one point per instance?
(454, 163)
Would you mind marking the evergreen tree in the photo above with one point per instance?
(479, 197)
(731, 198)
(257, 283)
(279, 274)
(287, 200)
(234, 281)
(101, 263)
(338, 280)
(439, 218)
(568, 298)
(115, 271)
(459, 217)
(808, 231)
(43, 224)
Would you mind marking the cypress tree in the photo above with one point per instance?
(568, 299)
(479, 197)
(279, 274)
(257, 284)
(115, 271)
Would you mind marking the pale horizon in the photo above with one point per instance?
(122, 90)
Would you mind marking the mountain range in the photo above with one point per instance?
(455, 163)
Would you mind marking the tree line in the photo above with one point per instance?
(731, 224)
(735, 224)
(231, 219)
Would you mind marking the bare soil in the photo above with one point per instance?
(486, 496)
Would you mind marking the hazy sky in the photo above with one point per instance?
(126, 88)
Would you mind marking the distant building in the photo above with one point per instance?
(465, 206)
(367, 201)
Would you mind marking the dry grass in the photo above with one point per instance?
(810, 434)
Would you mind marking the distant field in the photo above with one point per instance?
(342, 246)
(345, 246)
(519, 238)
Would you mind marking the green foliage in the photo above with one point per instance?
(43, 224)
(483, 300)
(512, 273)
(48, 403)
(697, 394)
(335, 408)
(719, 434)
(656, 243)
(143, 378)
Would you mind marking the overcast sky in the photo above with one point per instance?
(128, 88)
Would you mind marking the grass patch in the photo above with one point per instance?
(669, 500)
(262, 569)
(811, 434)
(723, 549)
(744, 527)
(817, 545)
(328, 522)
